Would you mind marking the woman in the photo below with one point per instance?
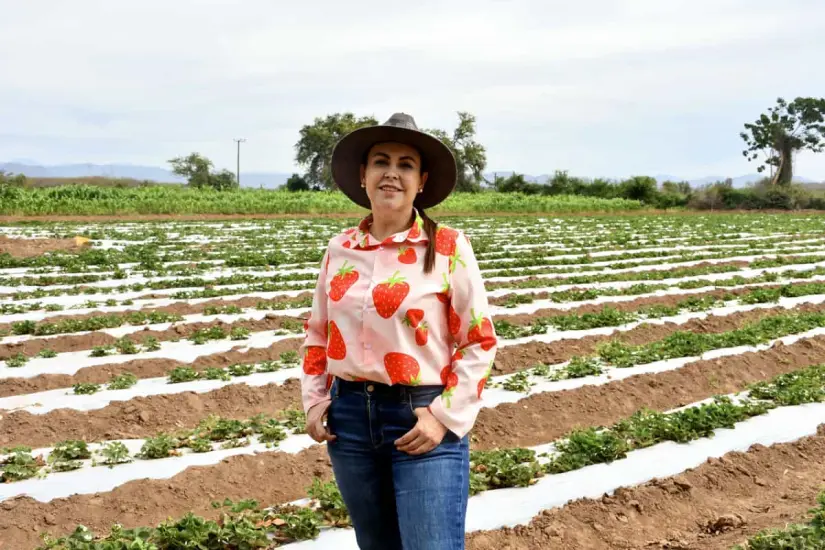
(399, 344)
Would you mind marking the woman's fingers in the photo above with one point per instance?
(319, 432)
(415, 441)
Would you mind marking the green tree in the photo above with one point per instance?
(194, 167)
(470, 156)
(314, 148)
(785, 129)
(296, 182)
(223, 181)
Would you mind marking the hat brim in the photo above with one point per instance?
(350, 150)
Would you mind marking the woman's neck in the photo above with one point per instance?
(385, 224)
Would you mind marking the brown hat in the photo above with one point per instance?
(350, 150)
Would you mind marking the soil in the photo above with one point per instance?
(143, 417)
(26, 248)
(535, 419)
(712, 507)
(141, 368)
(80, 342)
(718, 504)
(269, 477)
(515, 358)
(746, 485)
(508, 359)
(544, 417)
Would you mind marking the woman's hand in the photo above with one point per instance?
(315, 423)
(425, 436)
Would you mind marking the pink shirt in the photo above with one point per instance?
(377, 316)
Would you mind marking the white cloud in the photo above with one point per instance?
(599, 87)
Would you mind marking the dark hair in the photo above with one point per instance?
(430, 225)
(430, 228)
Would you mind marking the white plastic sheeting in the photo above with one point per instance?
(44, 402)
(518, 506)
(64, 398)
(553, 335)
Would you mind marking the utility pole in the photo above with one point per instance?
(238, 168)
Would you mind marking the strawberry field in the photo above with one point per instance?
(660, 383)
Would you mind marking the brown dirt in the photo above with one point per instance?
(514, 358)
(508, 359)
(25, 248)
(665, 513)
(146, 416)
(712, 507)
(545, 417)
(142, 368)
(270, 478)
(81, 342)
(535, 419)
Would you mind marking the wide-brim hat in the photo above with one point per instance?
(350, 151)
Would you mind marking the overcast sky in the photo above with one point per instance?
(595, 87)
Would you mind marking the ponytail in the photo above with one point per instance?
(430, 228)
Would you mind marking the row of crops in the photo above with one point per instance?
(657, 379)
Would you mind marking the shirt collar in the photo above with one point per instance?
(414, 234)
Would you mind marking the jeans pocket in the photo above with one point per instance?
(422, 398)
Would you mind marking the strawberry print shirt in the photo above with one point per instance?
(376, 316)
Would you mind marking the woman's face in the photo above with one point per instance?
(392, 176)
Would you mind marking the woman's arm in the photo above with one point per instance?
(314, 387)
(472, 362)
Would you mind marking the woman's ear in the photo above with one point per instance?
(424, 177)
(363, 171)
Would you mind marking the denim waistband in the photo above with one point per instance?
(377, 389)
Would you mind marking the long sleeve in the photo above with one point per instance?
(475, 337)
(314, 386)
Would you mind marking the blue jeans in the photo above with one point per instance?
(396, 501)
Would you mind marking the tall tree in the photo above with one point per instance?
(470, 156)
(194, 167)
(785, 129)
(314, 148)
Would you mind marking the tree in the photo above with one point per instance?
(314, 148)
(788, 127)
(195, 168)
(296, 182)
(470, 156)
(223, 181)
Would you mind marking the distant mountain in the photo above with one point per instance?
(151, 173)
(271, 180)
